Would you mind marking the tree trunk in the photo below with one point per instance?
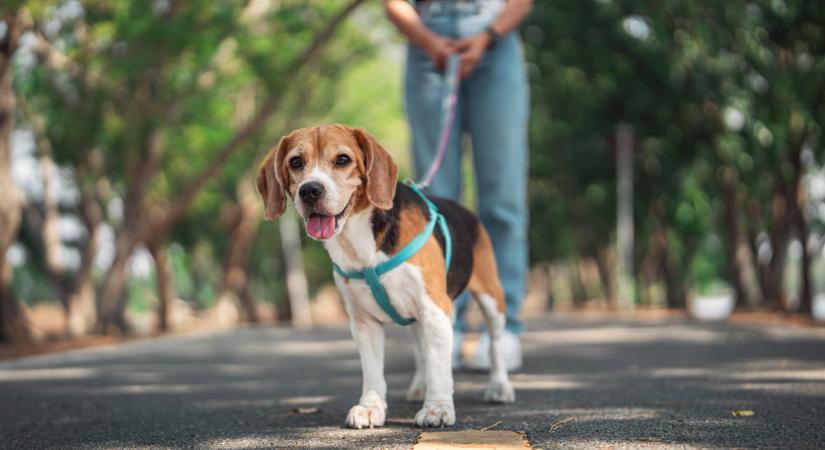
(787, 218)
(13, 325)
(772, 273)
(48, 228)
(737, 250)
(112, 311)
(625, 227)
(166, 290)
(604, 275)
(802, 233)
(676, 297)
(806, 291)
(243, 220)
(75, 290)
(49, 236)
(587, 250)
(140, 224)
(753, 210)
(81, 314)
(796, 204)
(283, 312)
(675, 290)
(296, 280)
(577, 287)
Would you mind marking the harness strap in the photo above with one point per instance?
(381, 297)
(442, 225)
(371, 274)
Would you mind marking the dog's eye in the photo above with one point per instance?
(342, 160)
(296, 162)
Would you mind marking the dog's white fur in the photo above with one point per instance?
(499, 389)
(332, 192)
(354, 248)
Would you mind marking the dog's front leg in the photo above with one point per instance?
(437, 332)
(371, 409)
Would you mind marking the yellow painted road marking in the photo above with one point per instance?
(472, 439)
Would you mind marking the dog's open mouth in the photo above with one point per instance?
(322, 226)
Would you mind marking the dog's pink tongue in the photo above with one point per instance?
(321, 227)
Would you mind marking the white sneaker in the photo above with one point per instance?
(458, 341)
(510, 347)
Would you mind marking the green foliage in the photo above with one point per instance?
(32, 285)
(704, 85)
(171, 84)
(142, 99)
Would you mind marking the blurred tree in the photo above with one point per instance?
(770, 117)
(725, 102)
(242, 220)
(12, 322)
(154, 124)
(161, 112)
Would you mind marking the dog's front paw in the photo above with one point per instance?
(498, 392)
(366, 417)
(438, 415)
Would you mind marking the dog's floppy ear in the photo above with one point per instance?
(381, 172)
(269, 183)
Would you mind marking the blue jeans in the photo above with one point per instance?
(493, 107)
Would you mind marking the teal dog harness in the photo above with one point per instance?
(372, 274)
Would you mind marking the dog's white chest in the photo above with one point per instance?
(404, 286)
(355, 249)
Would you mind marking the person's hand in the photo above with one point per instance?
(471, 50)
(439, 48)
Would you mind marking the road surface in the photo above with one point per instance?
(587, 383)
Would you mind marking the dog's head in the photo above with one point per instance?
(330, 172)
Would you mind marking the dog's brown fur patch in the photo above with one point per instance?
(484, 278)
(430, 259)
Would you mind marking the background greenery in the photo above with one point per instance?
(155, 115)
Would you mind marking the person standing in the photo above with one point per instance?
(492, 108)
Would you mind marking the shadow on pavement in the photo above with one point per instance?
(586, 383)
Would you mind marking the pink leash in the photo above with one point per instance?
(448, 118)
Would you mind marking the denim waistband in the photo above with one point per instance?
(440, 8)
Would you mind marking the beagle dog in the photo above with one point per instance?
(344, 186)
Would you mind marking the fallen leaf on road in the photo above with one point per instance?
(741, 413)
(300, 410)
(560, 423)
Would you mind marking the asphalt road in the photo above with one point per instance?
(586, 383)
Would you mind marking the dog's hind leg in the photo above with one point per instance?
(486, 289)
(418, 387)
(499, 389)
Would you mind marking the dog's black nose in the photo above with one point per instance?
(311, 192)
